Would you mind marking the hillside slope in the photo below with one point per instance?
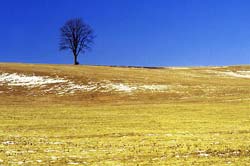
(81, 84)
(99, 115)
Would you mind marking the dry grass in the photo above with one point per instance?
(202, 119)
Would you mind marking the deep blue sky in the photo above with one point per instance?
(130, 32)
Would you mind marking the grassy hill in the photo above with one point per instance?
(100, 115)
(128, 84)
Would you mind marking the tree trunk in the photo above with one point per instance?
(75, 60)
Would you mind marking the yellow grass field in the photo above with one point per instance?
(97, 115)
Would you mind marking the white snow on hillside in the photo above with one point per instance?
(62, 86)
(15, 79)
(237, 74)
(154, 87)
(240, 74)
(108, 86)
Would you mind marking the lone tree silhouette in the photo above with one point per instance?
(76, 36)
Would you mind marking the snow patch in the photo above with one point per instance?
(15, 79)
(154, 87)
(61, 86)
(239, 74)
(107, 86)
(122, 87)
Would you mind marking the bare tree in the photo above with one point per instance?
(76, 36)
